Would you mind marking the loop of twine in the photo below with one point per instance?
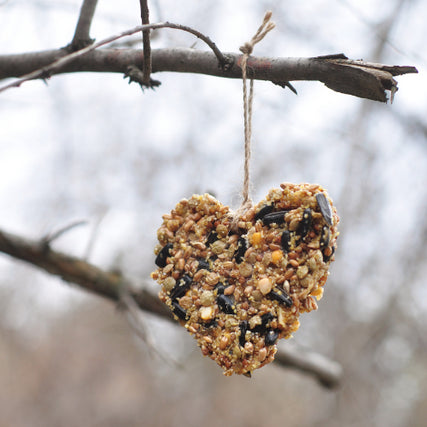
(247, 49)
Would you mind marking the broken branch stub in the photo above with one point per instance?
(363, 79)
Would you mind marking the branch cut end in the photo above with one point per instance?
(365, 79)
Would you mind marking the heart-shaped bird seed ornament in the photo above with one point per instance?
(238, 287)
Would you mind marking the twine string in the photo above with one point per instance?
(247, 50)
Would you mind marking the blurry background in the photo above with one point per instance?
(90, 146)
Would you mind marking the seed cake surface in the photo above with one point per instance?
(240, 290)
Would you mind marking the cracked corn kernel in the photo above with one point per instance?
(254, 283)
(206, 313)
(276, 256)
(318, 293)
(256, 239)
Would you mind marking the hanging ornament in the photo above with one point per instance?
(239, 291)
(238, 281)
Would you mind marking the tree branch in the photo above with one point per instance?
(63, 60)
(328, 372)
(113, 286)
(81, 34)
(358, 78)
(146, 45)
(74, 270)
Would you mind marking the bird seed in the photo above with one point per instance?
(239, 290)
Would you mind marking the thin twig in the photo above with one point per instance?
(81, 34)
(110, 285)
(48, 70)
(47, 240)
(93, 235)
(145, 18)
(136, 322)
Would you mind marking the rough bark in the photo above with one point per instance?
(358, 78)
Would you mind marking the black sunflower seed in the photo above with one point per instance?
(225, 304)
(271, 337)
(324, 237)
(285, 240)
(211, 324)
(178, 310)
(281, 296)
(265, 319)
(263, 212)
(326, 258)
(203, 264)
(219, 288)
(243, 328)
(162, 255)
(325, 207)
(181, 287)
(274, 218)
(242, 246)
(212, 237)
(305, 223)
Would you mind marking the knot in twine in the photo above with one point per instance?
(247, 50)
(262, 31)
